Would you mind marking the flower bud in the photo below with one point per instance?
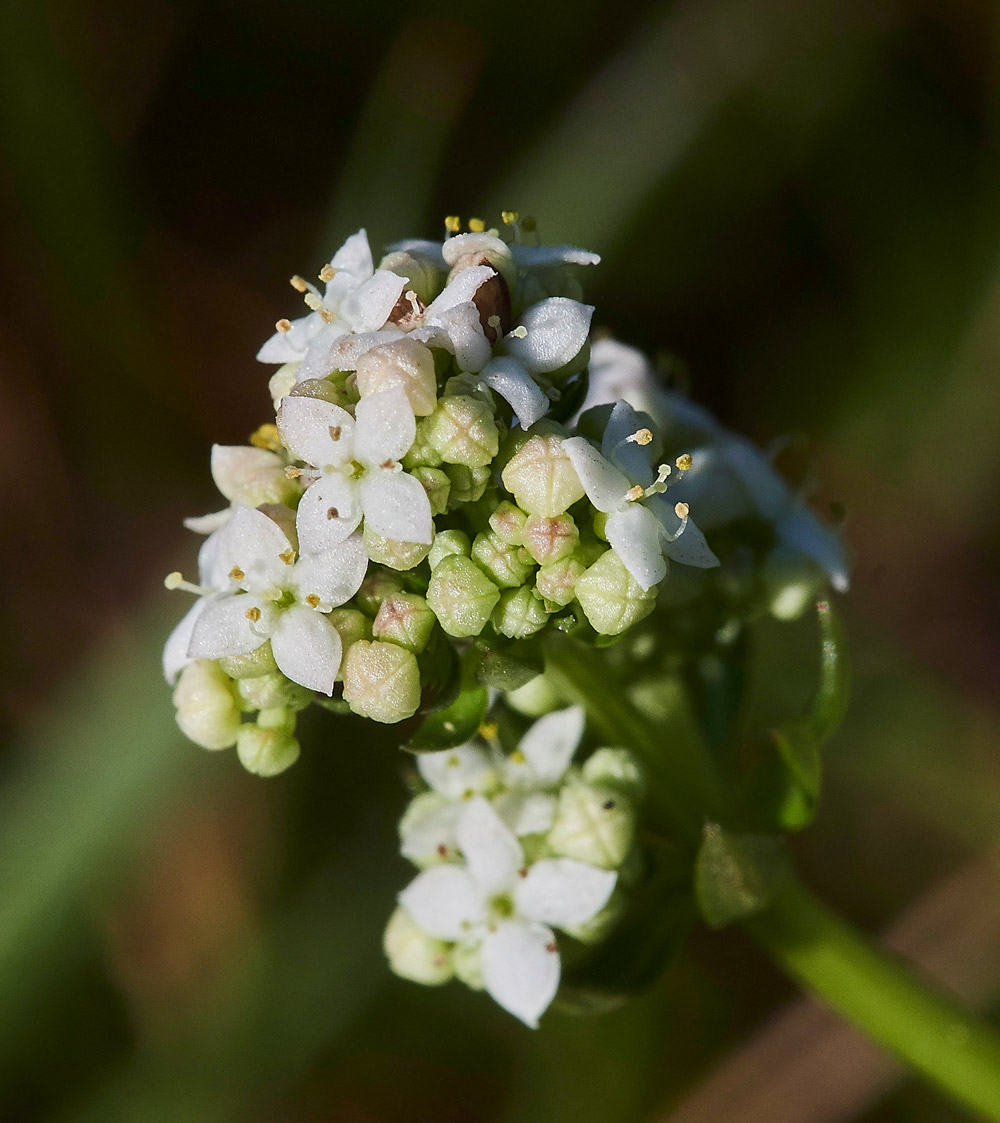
(461, 596)
(447, 542)
(406, 619)
(264, 692)
(618, 769)
(462, 431)
(423, 276)
(414, 955)
(467, 484)
(251, 476)
(535, 698)
(507, 523)
(376, 586)
(467, 960)
(381, 681)
(593, 824)
(520, 613)
(437, 485)
(260, 661)
(321, 388)
(268, 746)
(792, 583)
(507, 566)
(611, 597)
(352, 625)
(405, 363)
(541, 478)
(557, 582)
(281, 382)
(421, 454)
(393, 553)
(550, 539)
(477, 248)
(207, 711)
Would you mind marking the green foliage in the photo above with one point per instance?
(737, 875)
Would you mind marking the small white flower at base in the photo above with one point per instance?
(495, 903)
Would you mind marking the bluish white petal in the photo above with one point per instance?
(754, 471)
(549, 744)
(526, 812)
(465, 334)
(207, 524)
(427, 830)
(253, 543)
(605, 485)
(290, 346)
(355, 256)
(689, 547)
(461, 245)
(635, 536)
(493, 855)
(457, 772)
(316, 431)
(533, 257)
(445, 901)
(328, 513)
(175, 650)
(317, 361)
(801, 530)
(521, 968)
(516, 386)
(396, 506)
(213, 572)
(563, 892)
(333, 575)
(367, 307)
(385, 427)
(239, 469)
(307, 648)
(556, 330)
(634, 459)
(226, 626)
(348, 349)
(460, 290)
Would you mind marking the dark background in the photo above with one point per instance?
(797, 203)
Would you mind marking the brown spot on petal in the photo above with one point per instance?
(492, 300)
(332, 513)
(442, 850)
(551, 947)
(335, 431)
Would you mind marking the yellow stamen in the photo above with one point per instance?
(682, 510)
(489, 730)
(640, 437)
(520, 332)
(476, 225)
(634, 493)
(283, 325)
(684, 461)
(237, 574)
(252, 614)
(298, 283)
(266, 437)
(287, 556)
(452, 223)
(173, 580)
(517, 757)
(327, 273)
(292, 472)
(509, 217)
(312, 600)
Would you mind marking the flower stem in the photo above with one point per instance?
(882, 997)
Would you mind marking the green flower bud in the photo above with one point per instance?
(381, 681)
(611, 597)
(618, 769)
(599, 523)
(352, 625)
(423, 276)
(467, 484)
(280, 383)
(461, 596)
(520, 613)
(550, 539)
(264, 692)
(405, 363)
(792, 583)
(437, 485)
(207, 710)
(321, 388)
(268, 746)
(508, 566)
(406, 619)
(592, 824)
(467, 960)
(557, 582)
(376, 586)
(446, 543)
(414, 955)
(535, 698)
(599, 927)
(507, 522)
(422, 454)
(541, 478)
(257, 662)
(392, 552)
(462, 431)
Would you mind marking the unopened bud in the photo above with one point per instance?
(320, 388)
(618, 769)
(447, 542)
(251, 476)
(264, 692)
(406, 619)
(467, 960)
(508, 522)
(520, 613)
(260, 661)
(381, 681)
(423, 276)
(479, 248)
(467, 484)
(508, 566)
(268, 746)
(557, 582)
(352, 626)
(535, 698)
(393, 553)
(414, 955)
(593, 824)
(541, 477)
(376, 586)
(792, 582)
(611, 597)
(422, 454)
(462, 431)
(281, 382)
(461, 596)
(437, 485)
(550, 539)
(405, 363)
(207, 710)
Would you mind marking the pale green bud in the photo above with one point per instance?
(792, 583)
(507, 566)
(520, 613)
(406, 619)
(251, 476)
(550, 539)
(470, 385)
(352, 625)
(207, 710)
(507, 522)
(414, 955)
(423, 276)
(376, 586)
(618, 769)
(467, 960)
(600, 524)
(381, 681)
(611, 597)
(393, 553)
(422, 454)
(461, 596)
(599, 927)
(462, 430)
(281, 382)
(593, 824)
(446, 543)
(541, 477)
(405, 363)
(264, 692)
(321, 388)
(260, 661)
(437, 485)
(557, 582)
(535, 698)
(467, 484)
(268, 745)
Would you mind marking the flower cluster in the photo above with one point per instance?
(510, 847)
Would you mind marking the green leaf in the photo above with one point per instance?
(833, 693)
(736, 875)
(508, 668)
(800, 750)
(460, 719)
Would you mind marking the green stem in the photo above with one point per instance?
(881, 996)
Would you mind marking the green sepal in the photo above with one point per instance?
(736, 875)
(572, 394)
(457, 722)
(509, 666)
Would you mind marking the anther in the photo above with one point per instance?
(266, 436)
(509, 217)
(176, 580)
(684, 461)
(237, 574)
(608, 804)
(414, 300)
(252, 614)
(682, 510)
(313, 301)
(494, 322)
(327, 273)
(634, 493)
(529, 224)
(640, 437)
(517, 757)
(298, 283)
(287, 556)
(452, 223)
(312, 600)
(292, 472)
(476, 225)
(388, 464)
(442, 850)
(523, 871)
(283, 325)
(520, 332)
(551, 947)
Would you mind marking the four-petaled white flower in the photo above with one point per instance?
(494, 903)
(265, 592)
(357, 298)
(643, 524)
(358, 474)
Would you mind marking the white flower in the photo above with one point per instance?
(263, 592)
(358, 471)
(619, 480)
(505, 910)
(357, 298)
(618, 371)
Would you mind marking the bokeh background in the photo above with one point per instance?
(798, 203)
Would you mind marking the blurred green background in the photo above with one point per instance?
(799, 201)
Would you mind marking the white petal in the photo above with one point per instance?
(349, 348)
(634, 459)
(206, 524)
(521, 968)
(636, 537)
(533, 257)
(689, 547)
(549, 744)
(769, 491)
(367, 307)
(317, 361)
(355, 256)
(316, 432)
(328, 513)
(563, 892)
(175, 650)
(213, 572)
(385, 427)
(444, 901)
(461, 245)
(427, 831)
(556, 330)
(465, 333)
(526, 812)
(224, 628)
(492, 854)
(513, 383)
(396, 506)
(454, 772)
(333, 575)
(307, 648)
(290, 346)
(238, 469)
(801, 530)
(460, 290)
(605, 486)
(253, 543)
